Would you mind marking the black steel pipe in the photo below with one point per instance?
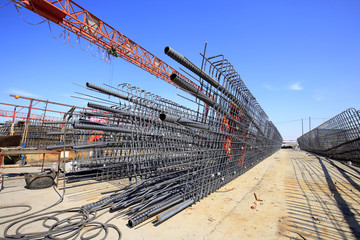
(178, 80)
(154, 210)
(121, 96)
(197, 93)
(183, 121)
(174, 210)
(192, 67)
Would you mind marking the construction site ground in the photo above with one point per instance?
(290, 195)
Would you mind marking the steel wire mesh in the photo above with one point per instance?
(171, 153)
(337, 138)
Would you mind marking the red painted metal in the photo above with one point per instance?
(47, 102)
(40, 100)
(14, 115)
(76, 19)
(29, 111)
(20, 115)
(34, 108)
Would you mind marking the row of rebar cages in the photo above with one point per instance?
(337, 138)
(40, 124)
(35, 133)
(7, 128)
(175, 155)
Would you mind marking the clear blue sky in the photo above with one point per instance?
(299, 58)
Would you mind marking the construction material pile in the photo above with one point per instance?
(172, 154)
(337, 138)
(34, 134)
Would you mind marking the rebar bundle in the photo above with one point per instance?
(38, 133)
(337, 138)
(173, 155)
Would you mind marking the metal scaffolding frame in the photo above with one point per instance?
(337, 138)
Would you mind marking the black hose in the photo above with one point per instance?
(15, 206)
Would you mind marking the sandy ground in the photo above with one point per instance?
(299, 196)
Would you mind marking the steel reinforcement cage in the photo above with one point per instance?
(337, 138)
(172, 154)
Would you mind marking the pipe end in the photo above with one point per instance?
(173, 76)
(167, 49)
(162, 116)
(131, 223)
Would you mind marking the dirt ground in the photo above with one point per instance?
(290, 195)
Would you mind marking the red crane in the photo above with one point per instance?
(76, 19)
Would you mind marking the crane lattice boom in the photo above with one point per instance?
(76, 19)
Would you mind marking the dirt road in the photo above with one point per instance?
(290, 195)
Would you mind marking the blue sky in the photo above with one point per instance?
(299, 58)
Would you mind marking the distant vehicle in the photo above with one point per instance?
(286, 145)
(289, 144)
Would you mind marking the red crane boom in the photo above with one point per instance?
(76, 19)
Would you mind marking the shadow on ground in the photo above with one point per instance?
(322, 199)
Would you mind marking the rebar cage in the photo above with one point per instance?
(172, 154)
(337, 138)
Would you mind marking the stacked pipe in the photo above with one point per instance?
(173, 155)
(337, 138)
